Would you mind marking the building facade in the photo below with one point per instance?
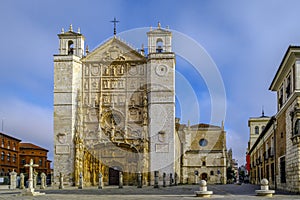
(204, 153)
(276, 153)
(114, 109)
(9, 150)
(38, 154)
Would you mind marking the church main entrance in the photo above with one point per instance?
(114, 176)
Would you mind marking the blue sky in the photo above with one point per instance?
(245, 39)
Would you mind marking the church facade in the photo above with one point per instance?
(114, 111)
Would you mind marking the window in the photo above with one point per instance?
(281, 134)
(2, 155)
(256, 130)
(203, 142)
(40, 162)
(2, 143)
(70, 48)
(159, 45)
(282, 170)
(14, 147)
(8, 157)
(8, 144)
(14, 158)
(288, 87)
(23, 162)
(280, 97)
(203, 163)
(297, 127)
(211, 173)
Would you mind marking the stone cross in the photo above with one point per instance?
(100, 181)
(120, 180)
(140, 184)
(43, 180)
(164, 179)
(156, 174)
(22, 181)
(31, 166)
(13, 180)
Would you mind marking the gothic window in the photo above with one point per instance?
(70, 48)
(159, 45)
(297, 127)
(2, 155)
(256, 130)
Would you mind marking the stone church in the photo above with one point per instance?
(114, 110)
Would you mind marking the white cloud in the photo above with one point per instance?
(28, 122)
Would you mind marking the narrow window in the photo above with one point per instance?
(256, 130)
(159, 46)
(70, 47)
(282, 170)
(2, 155)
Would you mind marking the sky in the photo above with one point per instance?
(246, 40)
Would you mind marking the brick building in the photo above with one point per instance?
(9, 158)
(38, 154)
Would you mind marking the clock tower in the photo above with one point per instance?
(161, 104)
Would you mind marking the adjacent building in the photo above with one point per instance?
(38, 154)
(203, 153)
(9, 150)
(15, 154)
(276, 153)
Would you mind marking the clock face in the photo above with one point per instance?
(161, 70)
(203, 142)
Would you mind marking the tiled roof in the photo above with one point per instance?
(1, 133)
(31, 146)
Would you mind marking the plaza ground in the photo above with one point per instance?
(230, 191)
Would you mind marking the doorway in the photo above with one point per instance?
(114, 176)
(204, 176)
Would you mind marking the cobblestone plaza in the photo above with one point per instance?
(230, 191)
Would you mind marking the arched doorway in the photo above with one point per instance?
(114, 175)
(204, 176)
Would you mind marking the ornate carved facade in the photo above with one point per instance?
(104, 121)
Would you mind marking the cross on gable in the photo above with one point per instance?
(115, 25)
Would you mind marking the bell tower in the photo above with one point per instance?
(67, 83)
(161, 104)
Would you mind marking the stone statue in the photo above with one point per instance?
(22, 181)
(43, 180)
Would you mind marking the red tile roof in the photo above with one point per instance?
(31, 146)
